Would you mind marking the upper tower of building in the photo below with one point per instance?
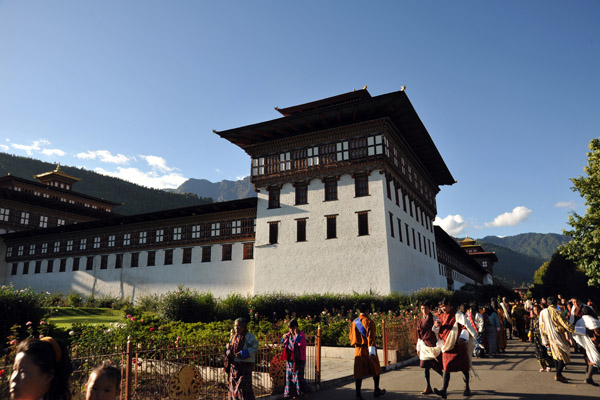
(57, 178)
(349, 133)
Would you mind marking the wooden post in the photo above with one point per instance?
(128, 369)
(385, 343)
(318, 355)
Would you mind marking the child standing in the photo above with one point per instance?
(104, 383)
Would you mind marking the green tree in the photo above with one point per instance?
(584, 248)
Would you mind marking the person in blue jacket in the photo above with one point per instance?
(240, 354)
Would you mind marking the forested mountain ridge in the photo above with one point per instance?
(538, 245)
(137, 199)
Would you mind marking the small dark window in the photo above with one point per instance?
(429, 245)
(388, 188)
(404, 203)
(301, 230)
(399, 229)
(417, 212)
(104, 262)
(331, 189)
(25, 268)
(50, 267)
(187, 256)
(397, 195)
(168, 256)
(89, 263)
(119, 261)
(410, 204)
(63, 265)
(38, 267)
(14, 268)
(414, 239)
(361, 185)
(363, 223)
(226, 252)
(420, 247)
(331, 226)
(151, 258)
(274, 194)
(301, 193)
(206, 253)
(407, 235)
(273, 232)
(135, 260)
(248, 251)
(392, 224)
(76, 264)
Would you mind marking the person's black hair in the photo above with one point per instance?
(474, 306)
(550, 300)
(445, 301)
(426, 303)
(110, 371)
(242, 322)
(52, 357)
(293, 323)
(363, 307)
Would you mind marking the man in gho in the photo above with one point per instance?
(430, 355)
(366, 362)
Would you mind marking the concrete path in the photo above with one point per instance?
(512, 375)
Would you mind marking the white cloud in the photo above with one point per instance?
(148, 179)
(36, 146)
(157, 163)
(515, 217)
(53, 152)
(566, 204)
(452, 224)
(4, 147)
(104, 156)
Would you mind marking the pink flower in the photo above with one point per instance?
(13, 342)
(128, 316)
(142, 320)
(151, 328)
(42, 322)
(133, 318)
(28, 323)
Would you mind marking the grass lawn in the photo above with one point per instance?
(64, 317)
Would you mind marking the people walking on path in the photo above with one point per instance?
(294, 355)
(541, 353)
(366, 363)
(587, 335)
(506, 309)
(491, 330)
(478, 323)
(458, 337)
(240, 353)
(554, 331)
(430, 355)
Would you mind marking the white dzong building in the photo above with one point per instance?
(346, 199)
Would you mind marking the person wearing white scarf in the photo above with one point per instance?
(587, 330)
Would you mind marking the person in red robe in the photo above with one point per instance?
(366, 362)
(430, 356)
(458, 337)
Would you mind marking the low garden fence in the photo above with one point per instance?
(196, 372)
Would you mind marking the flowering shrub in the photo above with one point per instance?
(18, 307)
(188, 305)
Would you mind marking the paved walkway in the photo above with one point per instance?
(513, 375)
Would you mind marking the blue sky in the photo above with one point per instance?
(509, 91)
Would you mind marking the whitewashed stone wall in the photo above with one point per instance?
(349, 263)
(219, 277)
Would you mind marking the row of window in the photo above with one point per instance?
(162, 235)
(54, 196)
(330, 153)
(299, 159)
(361, 188)
(409, 206)
(330, 223)
(425, 244)
(25, 218)
(134, 261)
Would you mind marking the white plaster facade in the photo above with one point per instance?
(218, 277)
(376, 262)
